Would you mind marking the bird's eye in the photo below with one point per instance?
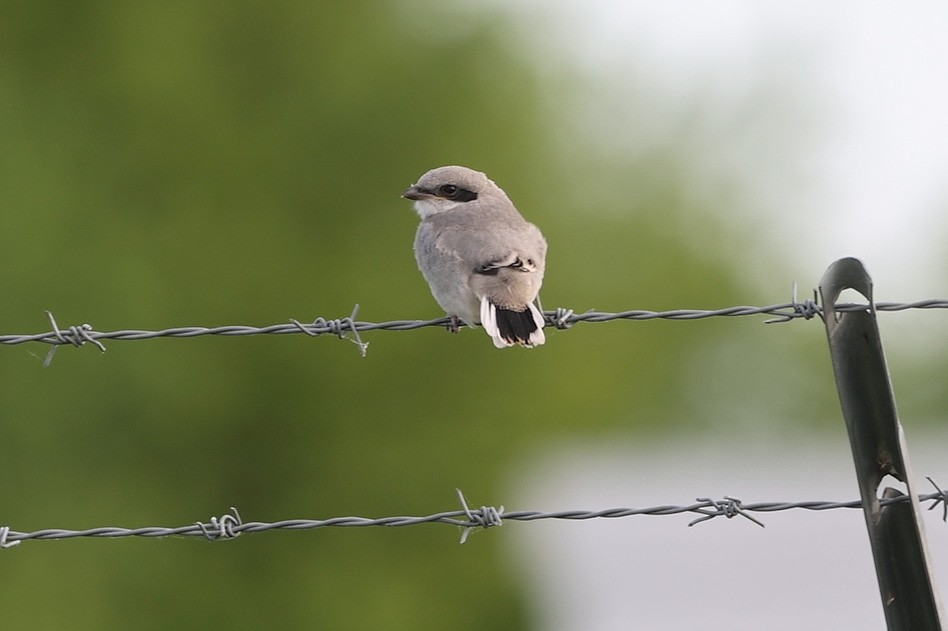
(455, 193)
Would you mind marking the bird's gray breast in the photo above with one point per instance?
(443, 265)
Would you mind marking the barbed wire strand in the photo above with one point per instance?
(560, 318)
(230, 526)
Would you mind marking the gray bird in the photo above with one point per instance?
(483, 261)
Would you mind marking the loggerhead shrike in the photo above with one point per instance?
(483, 261)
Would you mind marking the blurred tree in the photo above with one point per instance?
(202, 163)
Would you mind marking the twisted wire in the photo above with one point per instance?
(560, 318)
(230, 526)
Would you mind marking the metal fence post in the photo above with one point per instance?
(903, 569)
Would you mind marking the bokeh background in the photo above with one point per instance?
(198, 163)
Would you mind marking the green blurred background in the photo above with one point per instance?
(196, 163)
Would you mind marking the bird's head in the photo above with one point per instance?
(445, 188)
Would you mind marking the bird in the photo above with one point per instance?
(483, 261)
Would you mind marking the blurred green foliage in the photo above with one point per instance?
(198, 163)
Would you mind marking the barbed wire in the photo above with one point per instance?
(560, 318)
(230, 526)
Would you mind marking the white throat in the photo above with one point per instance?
(428, 207)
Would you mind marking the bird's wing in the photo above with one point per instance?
(488, 248)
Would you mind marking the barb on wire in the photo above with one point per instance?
(485, 518)
(224, 527)
(76, 335)
(4, 533)
(806, 309)
(229, 526)
(560, 318)
(730, 507)
(941, 497)
(337, 327)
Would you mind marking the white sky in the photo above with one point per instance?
(803, 570)
(850, 156)
(846, 155)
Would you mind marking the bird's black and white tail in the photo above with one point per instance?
(508, 327)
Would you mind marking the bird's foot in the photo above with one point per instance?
(454, 325)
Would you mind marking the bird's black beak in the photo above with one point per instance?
(413, 192)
